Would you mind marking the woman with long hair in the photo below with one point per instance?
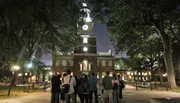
(115, 88)
(121, 87)
(62, 94)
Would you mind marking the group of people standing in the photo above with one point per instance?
(112, 88)
(84, 87)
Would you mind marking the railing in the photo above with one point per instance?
(31, 87)
(151, 85)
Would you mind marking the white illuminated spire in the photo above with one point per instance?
(84, 4)
(88, 19)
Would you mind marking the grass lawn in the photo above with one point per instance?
(175, 90)
(15, 91)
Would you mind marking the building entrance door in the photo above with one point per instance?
(85, 66)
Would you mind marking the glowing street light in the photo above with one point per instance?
(165, 75)
(19, 74)
(29, 65)
(50, 73)
(16, 67)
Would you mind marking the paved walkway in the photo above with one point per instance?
(42, 97)
(131, 95)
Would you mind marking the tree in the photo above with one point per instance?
(30, 25)
(122, 64)
(133, 19)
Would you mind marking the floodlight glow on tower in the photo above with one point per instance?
(84, 4)
(85, 49)
(29, 65)
(88, 19)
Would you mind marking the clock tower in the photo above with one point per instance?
(85, 54)
(85, 58)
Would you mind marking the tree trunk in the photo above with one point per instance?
(178, 66)
(167, 52)
(159, 69)
(168, 59)
(170, 68)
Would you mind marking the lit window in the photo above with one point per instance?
(98, 75)
(57, 63)
(97, 62)
(81, 67)
(85, 40)
(103, 63)
(110, 74)
(71, 62)
(64, 62)
(89, 67)
(135, 73)
(110, 63)
(103, 74)
(85, 64)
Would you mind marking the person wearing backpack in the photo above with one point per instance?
(93, 88)
(68, 79)
(79, 88)
(116, 84)
(84, 89)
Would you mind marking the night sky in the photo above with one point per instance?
(103, 43)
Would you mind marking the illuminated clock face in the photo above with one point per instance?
(85, 49)
(85, 27)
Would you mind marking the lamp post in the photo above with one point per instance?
(28, 76)
(14, 68)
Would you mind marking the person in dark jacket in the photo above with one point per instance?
(107, 87)
(84, 89)
(55, 89)
(76, 87)
(79, 92)
(93, 88)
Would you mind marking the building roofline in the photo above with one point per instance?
(83, 54)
